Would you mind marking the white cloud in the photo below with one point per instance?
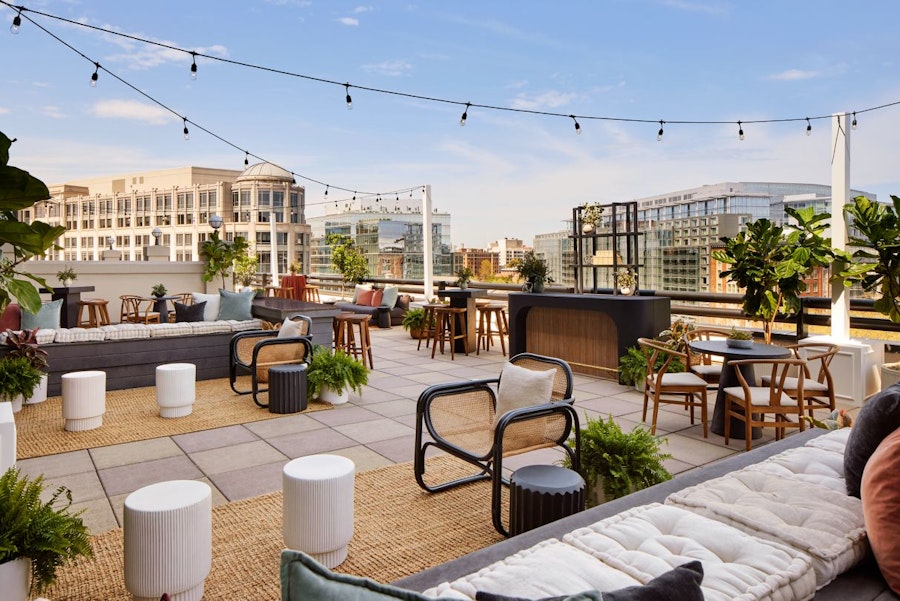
(394, 68)
(363, 9)
(54, 112)
(139, 55)
(795, 74)
(131, 109)
(546, 100)
(4, 110)
(349, 21)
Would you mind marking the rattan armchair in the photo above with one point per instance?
(255, 351)
(459, 419)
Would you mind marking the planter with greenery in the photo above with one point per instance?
(66, 276)
(464, 276)
(770, 262)
(347, 259)
(633, 364)
(159, 290)
(46, 533)
(414, 323)
(626, 283)
(18, 379)
(245, 267)
(219, 255)
(24, 344)
(739, 339)
(534, 271)
(330, 376)
(590, 217)
(615, 463)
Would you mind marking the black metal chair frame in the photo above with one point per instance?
(490, 464)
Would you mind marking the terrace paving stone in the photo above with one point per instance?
(117, 502)
(236, 457)
(344, 414)
(398, 450)
(85, 486)
(375, 430)
(134, 452)
(282, 426)
(97, 515)
(363, 458)
(57, 465)
(250, 481)
(129, 478)
(310, 443)
(214, 439)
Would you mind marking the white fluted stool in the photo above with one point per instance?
(317, 510)
(83, 399)
(7, 437)
(175, 390)
(168, 540)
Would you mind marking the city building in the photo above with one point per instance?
(483, 263)
(558, 250)
(508, 249)
(261, 203)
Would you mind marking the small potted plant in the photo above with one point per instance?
(615, 463)
(739, 339)
(24, 344)
(295, 267)
(626, 283)
(590, 217)
(464, 276)
(36, 537)
(66, 276)
(535, 271)
(330, 376)
(18, 379)
(159, 290)
(414, 323)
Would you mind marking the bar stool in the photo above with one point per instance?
(451, 325)
(280, 291)
(93, 313)
(345, 338)
(488, 315)
(428, 323)
(311, 294)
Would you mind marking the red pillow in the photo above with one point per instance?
(377, 295)
(881, 507)
(365, 298)
(11, 318)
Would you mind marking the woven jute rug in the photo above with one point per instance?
(399, 530)
(133, 415)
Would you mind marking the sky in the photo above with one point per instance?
(505, 173)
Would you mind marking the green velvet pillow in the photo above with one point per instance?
(46, 318)
(303, 578)
(235, 305)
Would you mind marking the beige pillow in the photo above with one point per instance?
(290, 329)
(521, 387)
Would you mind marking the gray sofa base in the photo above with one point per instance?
(863, 582)
(383, 317)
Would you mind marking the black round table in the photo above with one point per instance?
(540, 494)
(729, 377)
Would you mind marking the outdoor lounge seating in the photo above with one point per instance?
(467, 420)
(254, 352)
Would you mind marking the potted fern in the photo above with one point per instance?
(414, 323)
(18, 379)
(330, 376)
(464, 276)
(66, 276)
(24, 344)
(615, 463)
(36, 537)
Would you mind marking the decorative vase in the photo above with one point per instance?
(463, 285)
(734, 343)
(66, 283)
(537, 286)
(16, 402)
(15, 578)
(626, 290)
(40, 393)
(587, 228)
(329, 395)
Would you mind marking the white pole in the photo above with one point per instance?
(840, 195)
(428, 247)
(273, 258)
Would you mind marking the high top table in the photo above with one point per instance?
(729, 377)
(70, 295)
(465, 298)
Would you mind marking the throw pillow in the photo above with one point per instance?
(377, 296)
(303, 578)
(212, 304)
(879, 417)
(235, 305)
(881, 507)
(679, 584)
(390, 296)
(47, 317)
(357, 289)
(364, 298)
(290, 329)
(187, 313)
(522, 387)
(11, 318)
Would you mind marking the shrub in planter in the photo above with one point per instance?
(414, 323)
(18, 379)
(338, 371)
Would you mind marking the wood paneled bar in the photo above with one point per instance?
(589, 331)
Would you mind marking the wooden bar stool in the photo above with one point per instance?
(280, 291)
(311, 294)
(428, 323)
(345, 339)
(93, 313)
(450, 326)
(488, 315)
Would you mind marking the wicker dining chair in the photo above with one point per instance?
(704, 364)
(818, 384)
(460, 419)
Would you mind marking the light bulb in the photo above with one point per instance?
(659, 134)
(194, 65)
(808, 127)
(740, 131)
(465, 115)
(853, 125)
(347, 98)
(95, 76)
(246, 158)
(577, 125)
(17, 21)
(187, 135)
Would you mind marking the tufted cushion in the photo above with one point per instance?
(810, 464)
(11, 318)
(125, 331)
(45, 336)
(165, 330)
(211, 312)
(242, 325)
(835, 441)
(79, 335)
(186, 313)
(879, 417)
(235, 305)
(209, 327)
(47, 317)
(880, 490)
(522, 387)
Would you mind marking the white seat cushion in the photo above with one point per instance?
(165, 330)
(791, 384)
(209, 327)
(759, 395)
(684, 378)
(707, 370)
(79, 335)
(810, 464)
(825, 524)
(835, 441)
(242, 325)
(125, 331)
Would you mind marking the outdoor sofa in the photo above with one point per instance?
(774, 523)
(386, 310)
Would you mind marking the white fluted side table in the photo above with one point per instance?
(317, 510)
(175, 389)
(168, 540)
(83, 399)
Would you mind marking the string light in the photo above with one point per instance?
(659, 134)
(740, 131)
(326, 192)
(808, 127)
(187, 135)
(193, 65)
(17, 21)
(246, 158)
(853, 125)
(96, 75)
(577, 125)
(348, 99)
(465, 115)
